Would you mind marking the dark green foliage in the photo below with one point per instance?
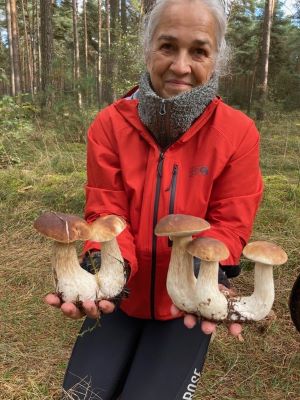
(244, 37)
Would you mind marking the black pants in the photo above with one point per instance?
(136, 359)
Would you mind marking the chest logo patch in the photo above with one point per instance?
(198, 170)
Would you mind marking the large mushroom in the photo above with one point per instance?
(211, 303)
(72, 283)
(181, 280)
(111, 276)
(259, 304)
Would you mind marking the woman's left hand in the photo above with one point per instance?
(208, 327)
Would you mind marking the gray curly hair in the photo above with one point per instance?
(151, 21)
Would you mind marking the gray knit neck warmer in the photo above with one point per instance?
(168, 119)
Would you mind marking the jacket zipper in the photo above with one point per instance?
(172, 189)
(154, 237)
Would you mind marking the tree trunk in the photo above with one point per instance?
(123, 17)
(76, 55)
(113, 67)
(263, 79)
(250, 98)
(99, 56)
(108, 71)
(38, 45)
(28, 60)
(46, 51)
(35, 44)
(85, 38)
(11, 55)
(15, 46)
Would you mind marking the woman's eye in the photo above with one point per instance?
(166, 46)
(200, 52)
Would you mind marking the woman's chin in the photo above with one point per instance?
(171, 92)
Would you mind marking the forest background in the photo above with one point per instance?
(62, 61)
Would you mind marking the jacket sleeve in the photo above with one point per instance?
(105, 193)
(235, 197)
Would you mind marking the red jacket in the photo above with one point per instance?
(212, 172)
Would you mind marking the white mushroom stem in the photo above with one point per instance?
(111, 275)
(72, 282)
(211, 303)
(259, 304)
(181, 281)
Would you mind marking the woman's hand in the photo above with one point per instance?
(209, 327)
(89, 308)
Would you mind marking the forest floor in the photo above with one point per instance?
(43, 169)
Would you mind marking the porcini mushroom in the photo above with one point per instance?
(210, 302)
(72, 283)
(181, 280)
(259, 304)
(111, 276)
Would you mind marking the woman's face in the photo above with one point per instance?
(183, 49)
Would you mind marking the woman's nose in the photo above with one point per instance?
(181, 64)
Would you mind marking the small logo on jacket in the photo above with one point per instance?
(198, 170)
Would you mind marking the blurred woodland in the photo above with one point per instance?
(87, 53)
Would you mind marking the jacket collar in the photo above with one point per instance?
(129, 110)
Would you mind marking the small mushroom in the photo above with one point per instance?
(181, 280)
(72, 283)
(259, 304)
(111, 276)
(211, 304)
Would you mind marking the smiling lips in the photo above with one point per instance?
(178, 82)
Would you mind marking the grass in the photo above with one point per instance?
(42, 169)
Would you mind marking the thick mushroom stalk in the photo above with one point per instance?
(111, 276)
(72, 283)
(181, 281)
(259, 304)
(211, 304)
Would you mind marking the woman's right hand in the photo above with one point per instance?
(90, 309)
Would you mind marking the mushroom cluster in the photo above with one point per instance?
(73, 283)
(201, 295)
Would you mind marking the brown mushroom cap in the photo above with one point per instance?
(208, 249)
(180, 225)
(265, 252)
(64, 228)
(106, 228)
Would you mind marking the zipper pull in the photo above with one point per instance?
(162, 110)
(160, 164)
(174, 172)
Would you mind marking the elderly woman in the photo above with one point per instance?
(169, 146)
